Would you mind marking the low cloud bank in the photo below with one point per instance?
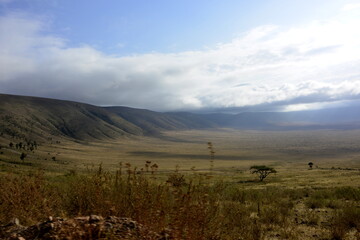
(268, 65)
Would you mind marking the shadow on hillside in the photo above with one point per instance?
(16, 162)
(249, 181)
(174, 139)
(151, 154)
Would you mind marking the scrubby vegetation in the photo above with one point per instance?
(186, 206)
(208, 196)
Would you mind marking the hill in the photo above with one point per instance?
(153, 122)
(40, 117)
(29, 117)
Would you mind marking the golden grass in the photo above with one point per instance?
(228, 202)
(199, 208)
(235, 151)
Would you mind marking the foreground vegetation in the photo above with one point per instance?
(195, 206)
(212, 195)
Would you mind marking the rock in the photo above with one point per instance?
(11, 229)
(85, 219)
(15, 221)
(108, 225)
(131, 224)
(91, 227)
(95, 218)
(111, 219)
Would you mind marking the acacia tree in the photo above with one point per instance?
(310, 165)
(262, 171)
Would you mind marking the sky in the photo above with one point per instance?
(182, 55)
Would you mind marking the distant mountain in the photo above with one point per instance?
(333, 118)
(29, 117)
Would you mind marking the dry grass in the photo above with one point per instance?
(196, 209)
(201, 199)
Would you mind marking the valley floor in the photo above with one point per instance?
(335, 155)
(295, 203)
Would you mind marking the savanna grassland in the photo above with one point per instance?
(171, 185)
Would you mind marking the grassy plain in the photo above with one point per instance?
(228, 202)
(289, 152)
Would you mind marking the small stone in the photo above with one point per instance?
(15, 221)
(131, 224)
(85, 219)
(108, 225)
(111, 219)
(95, 218)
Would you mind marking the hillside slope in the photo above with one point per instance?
(27, 117)
(40, 117)
(153, 122)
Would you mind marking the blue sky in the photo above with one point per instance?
(183, 55)
(135, 27)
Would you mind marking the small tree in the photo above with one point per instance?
(262, 171)
(310, 165)
(147, 165)
(23, 156)
(154, 167)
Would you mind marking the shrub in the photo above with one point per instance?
(312, 218)
(315, 203)
(344, 220)
(27, 197)
(348, 193)
(176, 180)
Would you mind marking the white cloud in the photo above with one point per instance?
(266, 65)
(351, 6)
